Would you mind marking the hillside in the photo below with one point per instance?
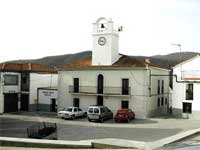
(54, 61)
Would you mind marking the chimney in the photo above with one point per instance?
(29, 66)
(147, 61)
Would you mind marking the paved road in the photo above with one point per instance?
(71, 132)
(17, 128)
(14, 127)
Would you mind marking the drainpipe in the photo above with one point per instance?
(1, 93)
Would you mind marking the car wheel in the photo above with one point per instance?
(85, 114)
(101, 120)
(116, 120)
(128, 120)
(89, 120)
(73, 117)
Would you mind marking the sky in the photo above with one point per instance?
(31, 29)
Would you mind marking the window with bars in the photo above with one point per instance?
(125, 104)
(158, 102)
(162, 88)
(11, 79)
(76, 102)
(187, 108)
(189, 91)
(158, 90)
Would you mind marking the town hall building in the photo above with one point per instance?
(113, 79)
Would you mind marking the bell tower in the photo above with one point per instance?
(105, 42)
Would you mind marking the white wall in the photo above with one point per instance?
(152, 104)
(138, 81)
(8, 88)
(105, 54)
(38, 80)
(179, 95)
(45, 95)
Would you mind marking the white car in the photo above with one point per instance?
(71, 113)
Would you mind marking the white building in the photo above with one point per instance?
(186, 85)
(19, 83)
(47, 99)
(38, 80)
(9, 89)
(114, 80)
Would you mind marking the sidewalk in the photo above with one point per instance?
(37, 113)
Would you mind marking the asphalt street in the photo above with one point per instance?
(17, 128)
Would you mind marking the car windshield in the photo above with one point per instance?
(67, 109)
(96, 110)
(90, 110)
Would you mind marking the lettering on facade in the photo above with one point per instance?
(48, 93)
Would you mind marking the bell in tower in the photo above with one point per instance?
(102, 26)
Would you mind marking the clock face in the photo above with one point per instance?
(102, 41)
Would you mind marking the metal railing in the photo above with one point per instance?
(41, 130)
(106, 90)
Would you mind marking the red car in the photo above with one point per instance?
(124, 115)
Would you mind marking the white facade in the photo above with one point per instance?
(105, 43)
(45, 95)
(127, 87)
(38, 80)
(8, 89)
(143, 89)
(187, 73)
(47, 99)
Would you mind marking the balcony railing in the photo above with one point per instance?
(106, 90)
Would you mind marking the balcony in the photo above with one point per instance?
(107, 91)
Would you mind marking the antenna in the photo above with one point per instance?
(120, 28)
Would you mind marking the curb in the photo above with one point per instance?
(38, 143)
(172, 139)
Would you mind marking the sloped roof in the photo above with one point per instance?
(28, 67)
(185, 61)
(124, 61)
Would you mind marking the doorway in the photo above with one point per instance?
(53, 105)
(100, 84)
(24, 102)
(100, 100)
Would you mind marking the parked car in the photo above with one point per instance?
(99, 113)
(71, 113)
(124, 115)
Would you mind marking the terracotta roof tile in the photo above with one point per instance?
(124, 61)
(14, 67)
